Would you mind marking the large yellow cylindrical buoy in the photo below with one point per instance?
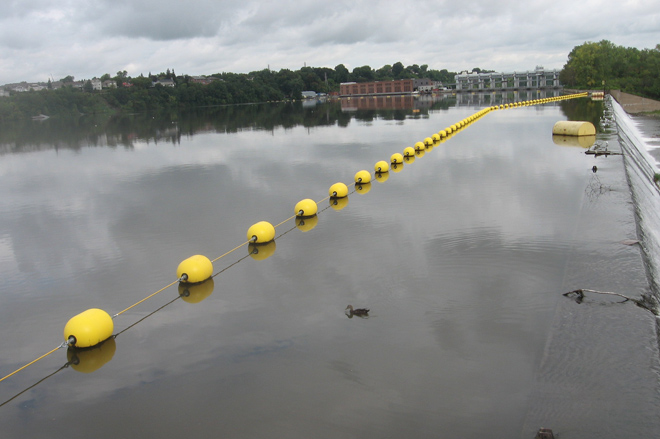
(261, 232)
(362, 176)
(306, 207)
(195, 269)
(574, 128)
(381, 166)
(338, 190)
(396, 158)
(196, 293)
(91, 359)
(88, 328)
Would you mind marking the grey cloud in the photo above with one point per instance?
(156, 20)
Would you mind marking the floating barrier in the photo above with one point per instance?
(93, 328)
(195, 269)
(88, 328)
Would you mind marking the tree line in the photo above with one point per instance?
(139, 95)
(604, 65)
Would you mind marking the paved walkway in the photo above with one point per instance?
(635, 104)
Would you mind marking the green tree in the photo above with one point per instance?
(397, 69)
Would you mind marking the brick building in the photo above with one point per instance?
(400, 86)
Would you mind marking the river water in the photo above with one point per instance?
(462, 257)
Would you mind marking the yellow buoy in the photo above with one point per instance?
(307, 223)
(197, 292)
(195, 269)
(409, 151)
(435, 137)
(419, 146)
(306, 207)
(91, 359)
(574, 128)
(381, 166)
(362, 188)
(88, 328)
(261, 232)
(396, 158)
(442, 133)
(362, 176)
(338, 190)
(259, 252)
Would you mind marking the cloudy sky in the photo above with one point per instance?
(41, 39)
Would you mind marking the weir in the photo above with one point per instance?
(641, 172)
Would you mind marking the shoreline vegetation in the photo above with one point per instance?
(147, 94)
(601, 66)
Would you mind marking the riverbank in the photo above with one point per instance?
(635, 104)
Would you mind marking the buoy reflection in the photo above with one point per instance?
(306, 224)
(88, 360)
(363, 188)
(197, 292)
(338, 203)
(259, 252)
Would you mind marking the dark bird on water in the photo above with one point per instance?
(360, 312)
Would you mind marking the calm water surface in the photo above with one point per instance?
(461, 256)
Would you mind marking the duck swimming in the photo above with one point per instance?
(360, 312)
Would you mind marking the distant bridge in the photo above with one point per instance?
(539, 78)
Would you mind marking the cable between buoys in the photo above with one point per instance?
(148, 297)
(32, 362)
